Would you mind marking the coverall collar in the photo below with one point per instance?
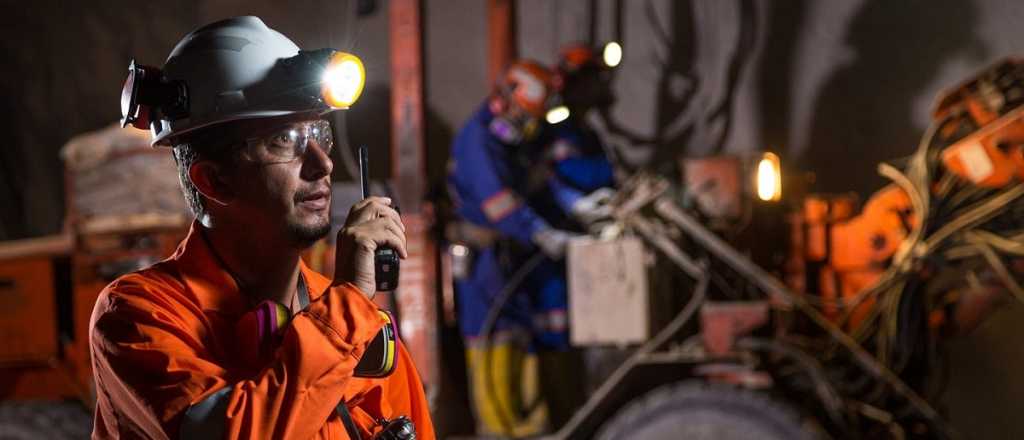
(215, 288)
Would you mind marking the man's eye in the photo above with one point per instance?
(286, 138)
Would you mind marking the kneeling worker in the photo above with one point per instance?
(233, 336)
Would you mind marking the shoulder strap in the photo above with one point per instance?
(303, 292)
(346, 419)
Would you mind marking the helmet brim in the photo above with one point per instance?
(168, 137)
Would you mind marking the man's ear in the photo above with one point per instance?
(208, 179)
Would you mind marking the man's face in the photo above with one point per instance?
(283, 184)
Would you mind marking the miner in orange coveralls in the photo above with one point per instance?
(233, 336)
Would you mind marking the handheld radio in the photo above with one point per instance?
(385, 259)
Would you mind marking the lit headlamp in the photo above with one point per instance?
(343, 80)
(335, 78)
(612, 54)
(557, 114)
(768, 177)
(557, 110)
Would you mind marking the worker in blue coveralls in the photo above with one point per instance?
(489, 182)
(578, 180)
(581, 177)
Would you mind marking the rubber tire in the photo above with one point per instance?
(44, 420)
(696, 410)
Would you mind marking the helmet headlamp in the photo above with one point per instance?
(612, 54)
(314, 82)
(343, 80)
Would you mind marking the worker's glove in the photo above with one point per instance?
(553, 242)
(594, 206)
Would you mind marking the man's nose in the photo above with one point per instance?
(316, 163)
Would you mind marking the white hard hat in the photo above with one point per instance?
(232, 70)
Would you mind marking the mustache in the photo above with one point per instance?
(313, 192)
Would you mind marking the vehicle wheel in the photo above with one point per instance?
(44, 420)
(698, 410)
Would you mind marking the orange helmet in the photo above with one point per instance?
(525, 84)
(577, 56)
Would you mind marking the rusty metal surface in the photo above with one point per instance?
(28, 310)
(408, 152)
(416, 293)
(501, 48)
(416, 299)
(716, 184)
(722, 323)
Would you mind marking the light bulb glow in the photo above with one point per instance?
(459, 250)
(343, 80)
(769, 178)
(612, 54)
(557, 114)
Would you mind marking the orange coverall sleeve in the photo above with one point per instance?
(153, 360)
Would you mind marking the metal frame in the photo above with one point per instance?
(616, 392)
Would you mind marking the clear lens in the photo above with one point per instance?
(290, 142)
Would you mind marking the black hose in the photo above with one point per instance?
(827, 394)
(487, 330)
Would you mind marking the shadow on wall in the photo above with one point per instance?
(865, 110)
(679, 120)
(696, 89)
(778, 68)
(369, 122)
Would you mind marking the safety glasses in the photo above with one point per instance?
(290, 142)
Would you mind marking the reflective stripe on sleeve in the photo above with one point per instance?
(500, 205)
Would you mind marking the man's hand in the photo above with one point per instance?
(371, 223)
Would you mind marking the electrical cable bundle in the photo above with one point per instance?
(961, 227)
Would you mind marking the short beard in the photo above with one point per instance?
(305, 235)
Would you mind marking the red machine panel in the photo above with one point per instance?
(27, 310)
